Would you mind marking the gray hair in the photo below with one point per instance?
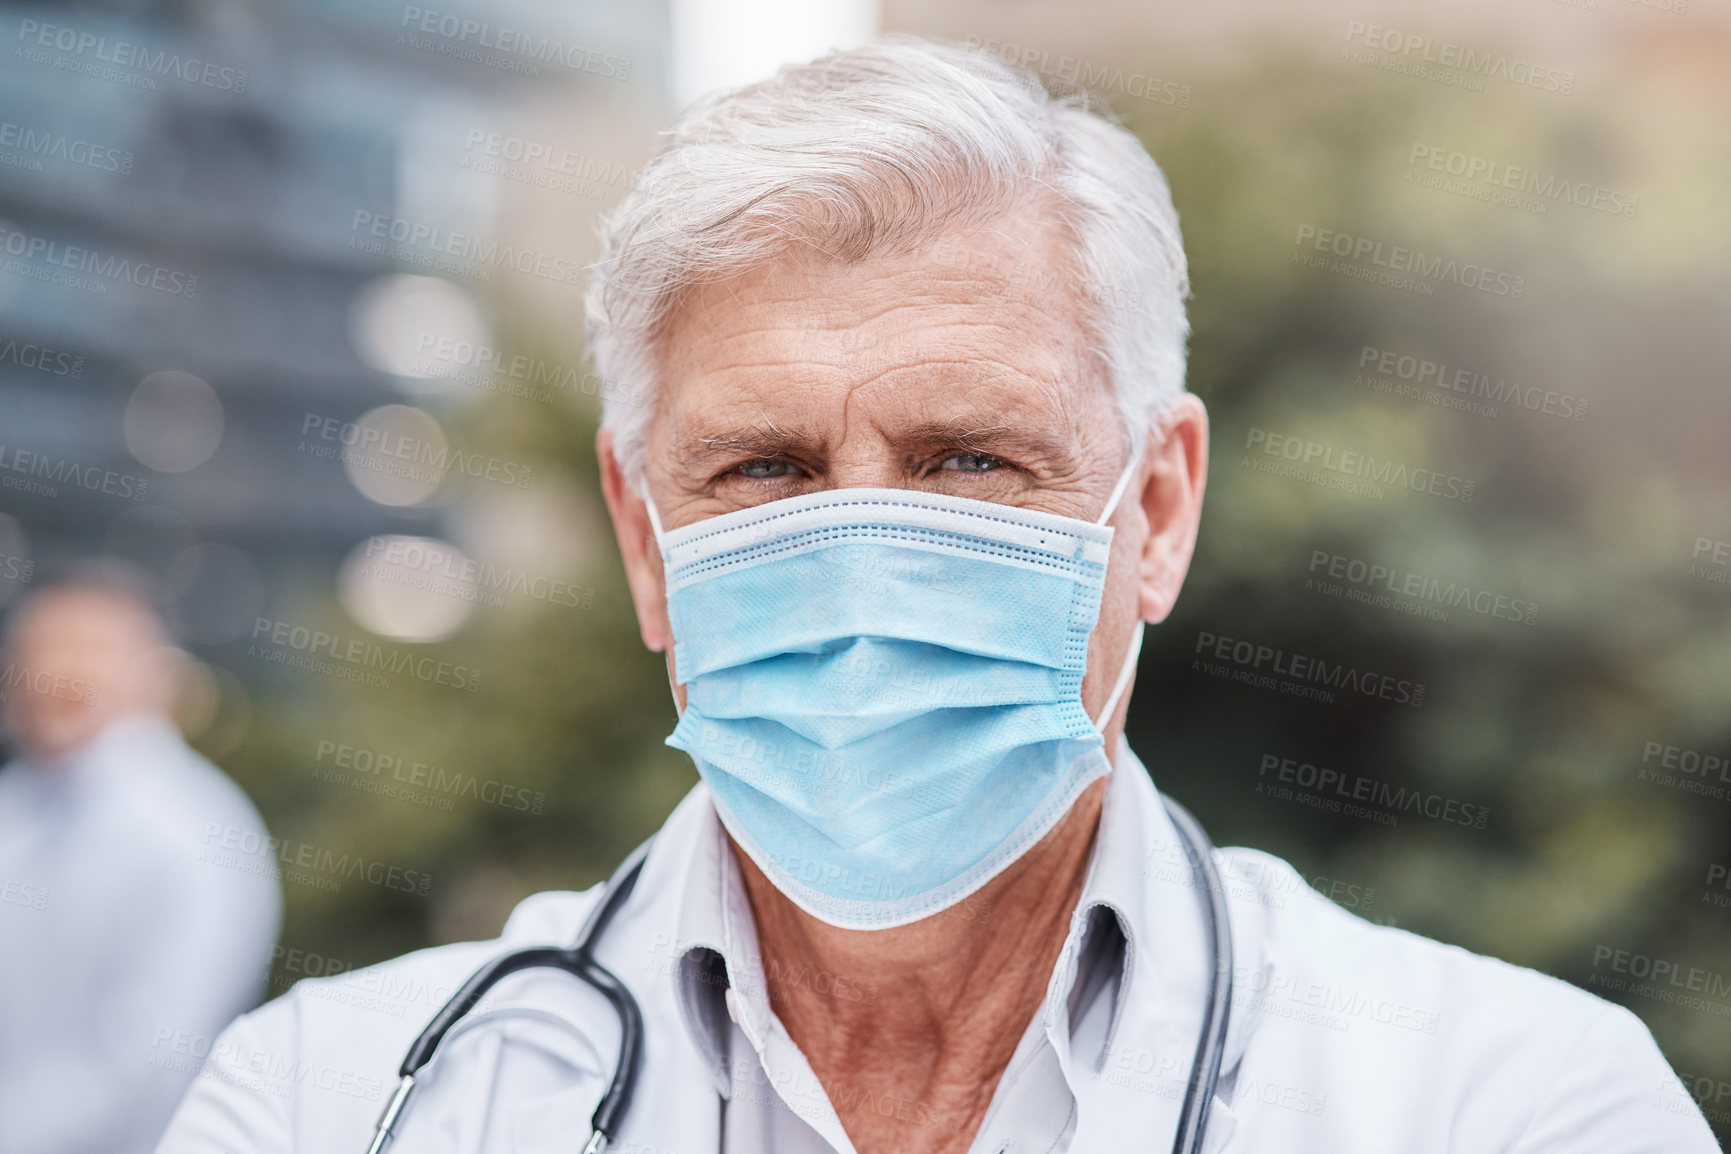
(878, 149)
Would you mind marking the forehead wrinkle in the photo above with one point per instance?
(780, 283)
(1015, 379)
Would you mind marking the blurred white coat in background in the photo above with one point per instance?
(125, 943)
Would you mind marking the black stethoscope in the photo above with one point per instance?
(579, 961)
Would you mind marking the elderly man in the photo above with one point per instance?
(116, 939)
(900, 466)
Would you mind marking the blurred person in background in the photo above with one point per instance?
(123, 951)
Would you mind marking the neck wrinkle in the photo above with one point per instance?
(958, 988)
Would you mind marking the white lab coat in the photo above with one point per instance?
(115, 936)
(1346, 1038)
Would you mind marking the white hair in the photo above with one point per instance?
(879, 149)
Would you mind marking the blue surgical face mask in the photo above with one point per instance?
(884, 688)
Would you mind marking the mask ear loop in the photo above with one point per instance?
(1120, 488)
(1129, 666)
(655, 527)
(654, 521)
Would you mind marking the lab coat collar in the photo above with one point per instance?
(1137, 871)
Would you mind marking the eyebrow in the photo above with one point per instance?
(1040, 450)
(752, 441)
(696, 453)
(1031, 446)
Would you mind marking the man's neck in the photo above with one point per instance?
(933, 1010)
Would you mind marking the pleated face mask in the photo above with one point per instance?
(884, 688)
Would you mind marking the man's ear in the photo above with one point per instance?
(637, 547)
(1174, 473)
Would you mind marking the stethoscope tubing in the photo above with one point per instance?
(578, 960)
(1217, 1008)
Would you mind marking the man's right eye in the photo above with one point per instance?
(765, 469)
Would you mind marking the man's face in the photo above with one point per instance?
(80, 660)
(962, 368)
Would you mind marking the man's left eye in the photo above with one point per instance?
(971, 463)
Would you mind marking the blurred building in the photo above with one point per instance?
(204, 208)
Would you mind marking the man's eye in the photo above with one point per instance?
(765, 469)
(971, 463)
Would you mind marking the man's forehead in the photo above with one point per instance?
(937, 401)
(1021, 258)
(978, 329)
